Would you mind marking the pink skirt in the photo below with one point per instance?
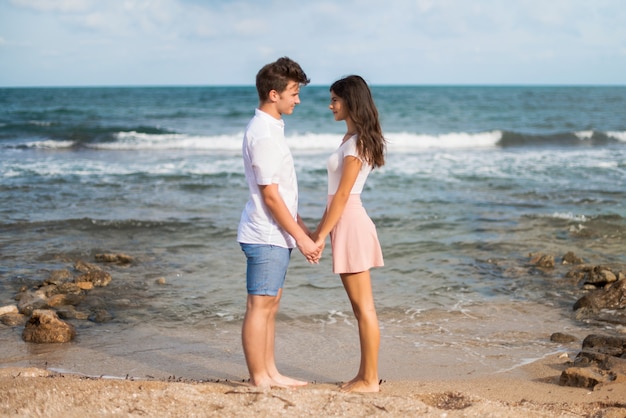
(354, 241)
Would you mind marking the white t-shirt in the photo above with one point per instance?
(267, 160)
(334, 166)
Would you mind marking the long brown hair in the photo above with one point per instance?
(371, 143)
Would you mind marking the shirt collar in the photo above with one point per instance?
(279, 122)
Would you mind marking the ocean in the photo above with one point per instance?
(476, 179)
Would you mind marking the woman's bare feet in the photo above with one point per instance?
(361, 386)
(346, 384)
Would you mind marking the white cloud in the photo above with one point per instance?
(65, 6)
(250, 26)
(219, 41)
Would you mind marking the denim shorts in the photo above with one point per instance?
(267, 268)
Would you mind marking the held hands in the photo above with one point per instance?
(319, 241)
(311, 251)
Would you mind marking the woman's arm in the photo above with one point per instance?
(349, 174)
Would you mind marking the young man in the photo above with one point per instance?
(270, 226)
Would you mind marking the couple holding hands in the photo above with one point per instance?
(270, 226)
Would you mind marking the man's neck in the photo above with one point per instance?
(270, 109)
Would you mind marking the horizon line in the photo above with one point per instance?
(316, 85)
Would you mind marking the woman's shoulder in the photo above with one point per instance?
(349, 148)
(349, 143)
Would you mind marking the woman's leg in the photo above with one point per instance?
(359, 289)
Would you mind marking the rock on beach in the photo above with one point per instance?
(44, 326)
(44, 307)
(602, 361)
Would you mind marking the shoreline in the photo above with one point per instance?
(437, 345)
(531, 390)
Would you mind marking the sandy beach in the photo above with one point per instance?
(528, 391)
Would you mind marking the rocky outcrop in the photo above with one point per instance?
(602, 361)
(10, 316)
(571, 258)
(122, 259)
(605, 298)
(10, 309)
(542, 260)
(611, 296)
(43, 308)
(604, 286)
(561, 338)
(592, 277)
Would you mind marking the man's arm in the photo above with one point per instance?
(282, 216)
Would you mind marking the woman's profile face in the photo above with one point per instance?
(338, 107)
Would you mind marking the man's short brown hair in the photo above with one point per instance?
(276, 76)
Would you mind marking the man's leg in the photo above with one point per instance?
(270, 347)
(265, 275)
(254, 337)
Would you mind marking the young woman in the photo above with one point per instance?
(354, 242)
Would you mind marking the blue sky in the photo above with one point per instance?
(221, 42)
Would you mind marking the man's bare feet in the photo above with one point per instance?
(288, 381)
(279, 381)
(265, 384)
